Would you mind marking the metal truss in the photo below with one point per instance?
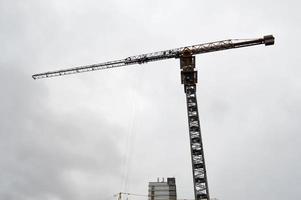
(197, 154)
(160, 55)
(189, 79)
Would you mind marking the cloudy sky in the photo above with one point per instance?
(88, 136)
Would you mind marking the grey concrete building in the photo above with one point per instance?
(162, 190)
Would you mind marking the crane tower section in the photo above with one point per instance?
(189, 79)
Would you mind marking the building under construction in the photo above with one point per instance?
(162, 190)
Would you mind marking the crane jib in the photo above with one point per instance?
(161, 55)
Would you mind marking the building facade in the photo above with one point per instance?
(162, 190)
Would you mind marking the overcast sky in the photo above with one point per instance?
(89, 136)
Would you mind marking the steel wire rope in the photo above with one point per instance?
(129, 139)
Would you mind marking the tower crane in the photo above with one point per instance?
(189, 80)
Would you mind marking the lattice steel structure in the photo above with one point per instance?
(160, 55)
(189, 79)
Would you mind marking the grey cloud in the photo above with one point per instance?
(65, 138)
(41, 148)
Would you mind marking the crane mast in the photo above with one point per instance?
(189, 80)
